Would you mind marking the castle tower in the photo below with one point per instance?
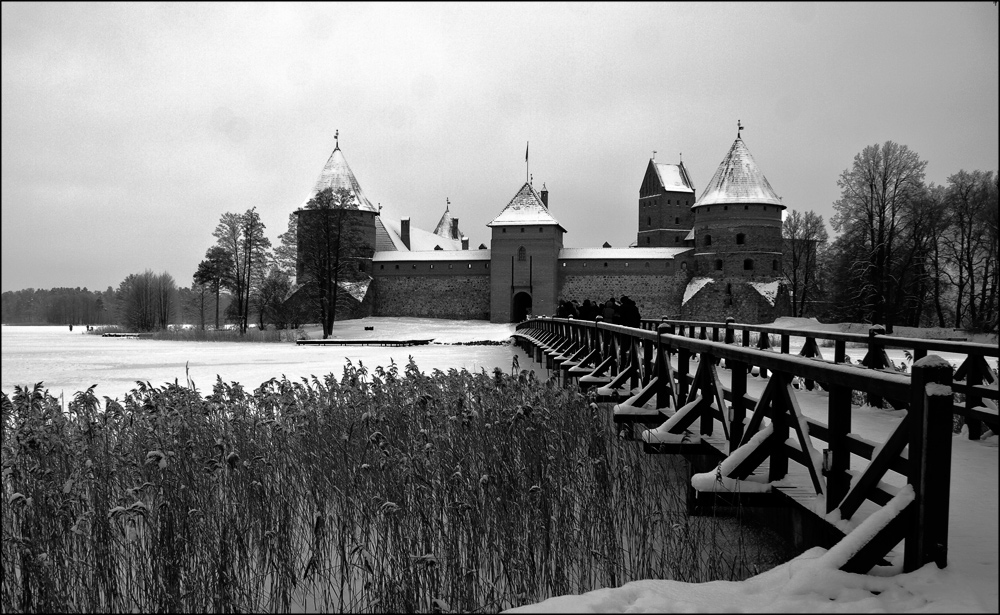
(360, 223)
(738, 246)
(737, 221)
(665, 199)
(524, 258)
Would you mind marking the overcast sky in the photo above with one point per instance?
(128, 129)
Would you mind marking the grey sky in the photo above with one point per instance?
(128, 129)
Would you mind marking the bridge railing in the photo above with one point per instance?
(633, 366)
(975, 382)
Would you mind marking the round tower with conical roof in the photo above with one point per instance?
(737, 221)
(737, 245)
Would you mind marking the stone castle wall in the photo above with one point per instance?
(734, 297)
(461, 297)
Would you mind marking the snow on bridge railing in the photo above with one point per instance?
(639, 362)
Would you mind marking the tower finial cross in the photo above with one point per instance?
(336, 138)
(739, 127)
(654, 154)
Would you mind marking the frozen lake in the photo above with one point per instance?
(70, 361)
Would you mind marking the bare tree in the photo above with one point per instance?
(331, 246)
(971, 247)
(804, 235)
(874, 193)
(242, 235)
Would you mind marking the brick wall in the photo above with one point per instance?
(732, 297)
(462, 297)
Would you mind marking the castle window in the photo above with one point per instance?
(746, 207)
(647, 240)
(774, 265)
(708, 209)
(585, 264)
(487, 265)
(432, 265)
(541, 229)
(725, 208)
(677, 239)
(729, 289)
(748, 264)
(740, 239)
(361, 265)
(765, 208)
(668, 201)
(718, 265)
(470, 265)
(564, 264)
(708, 240)
(522, 229)
(684, 266)
(677, 220)
(626, 264)
(381, 267)
(522, 254)
(414, 265)
(605, 264)
(503, 230)
(397, 266)
(450, 265)
(649, 222)
(647, 264)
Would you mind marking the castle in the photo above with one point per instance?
(705, 258)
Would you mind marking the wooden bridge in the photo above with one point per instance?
(742, 419)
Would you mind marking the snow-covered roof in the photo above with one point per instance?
(768, 290)
(674, 177)
(694, 286)
(525, 208)
(738, 180)
(419, 238)
(337, 174)
(620, 253)
(689, 236)
(443, 227)
(432, 255)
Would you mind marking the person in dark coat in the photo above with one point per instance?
(609, 310)
(587, 310)
(630, 313)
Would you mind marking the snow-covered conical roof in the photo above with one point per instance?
(525, 208)
(337, 174)
(738, 180)
(443, 227)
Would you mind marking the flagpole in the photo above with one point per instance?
(527, 144)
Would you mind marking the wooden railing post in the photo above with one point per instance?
(763, 343)
(973, 378)
(738, 386)
(837, 458)
(662, 358)
(873, 360)
(683, 364)
(929, 463)
(729, 329)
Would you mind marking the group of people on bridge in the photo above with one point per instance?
(619, 312)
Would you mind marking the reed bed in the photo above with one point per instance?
(385, 490)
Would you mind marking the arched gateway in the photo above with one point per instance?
(521, 307)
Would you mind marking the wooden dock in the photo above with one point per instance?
(369, 342)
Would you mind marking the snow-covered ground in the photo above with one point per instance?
(71, 361)
(68, 361)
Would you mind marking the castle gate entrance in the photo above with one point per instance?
(521, 307)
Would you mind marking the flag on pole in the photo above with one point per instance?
(526, 144)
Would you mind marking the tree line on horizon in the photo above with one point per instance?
(907, 253)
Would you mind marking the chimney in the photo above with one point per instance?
(454, 228)
(465, 243)
(545, 196)
(404, 231)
